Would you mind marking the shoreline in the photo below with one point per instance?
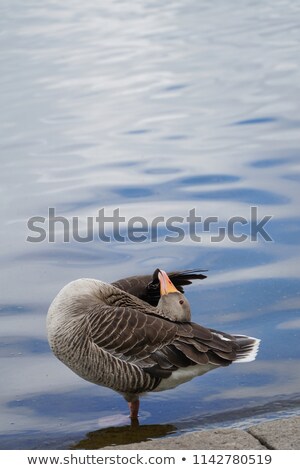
(278, 434)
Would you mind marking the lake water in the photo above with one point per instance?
(153, 109)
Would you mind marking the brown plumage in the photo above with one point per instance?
(110, 335)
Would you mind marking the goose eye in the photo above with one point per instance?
(181, 302)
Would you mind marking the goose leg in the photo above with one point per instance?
(134, 409)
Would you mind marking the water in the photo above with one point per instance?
(153, 109)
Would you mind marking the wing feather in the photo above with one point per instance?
(155, 344)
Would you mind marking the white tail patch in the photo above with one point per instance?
(249, 352)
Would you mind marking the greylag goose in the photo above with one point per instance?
(135, 335)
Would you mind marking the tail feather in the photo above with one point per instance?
(248, 348)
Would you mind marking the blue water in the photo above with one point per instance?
(153, 109)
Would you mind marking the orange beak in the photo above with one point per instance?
(166, 285)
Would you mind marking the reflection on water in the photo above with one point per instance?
(123, 435)
(143, 107)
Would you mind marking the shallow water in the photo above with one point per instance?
(155, 110)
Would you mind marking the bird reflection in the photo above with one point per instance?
(120, 435)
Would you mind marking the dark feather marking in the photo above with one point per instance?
(157, 371)
(192, 353)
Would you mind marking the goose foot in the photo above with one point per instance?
(134, 409)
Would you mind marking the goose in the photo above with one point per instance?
(135, 335)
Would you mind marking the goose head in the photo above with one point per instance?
(172, 304)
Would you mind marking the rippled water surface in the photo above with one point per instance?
(153, 109)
